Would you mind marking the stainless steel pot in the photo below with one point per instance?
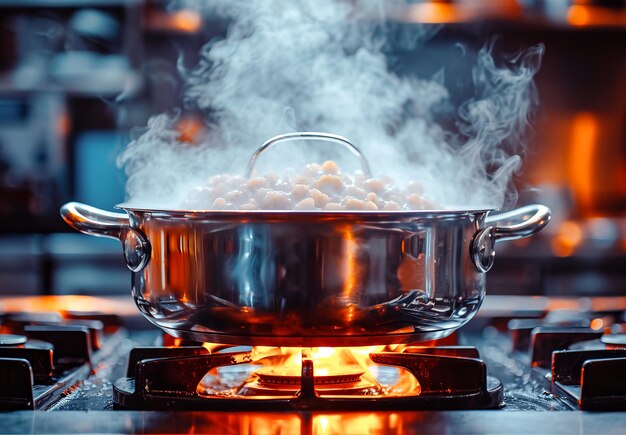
(308, 278)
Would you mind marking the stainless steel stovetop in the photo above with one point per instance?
(83, 402)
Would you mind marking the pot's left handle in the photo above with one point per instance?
(515, 224)
(101, 223)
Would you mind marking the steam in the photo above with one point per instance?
(321, 66)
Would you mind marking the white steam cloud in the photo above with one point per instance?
(320, 66)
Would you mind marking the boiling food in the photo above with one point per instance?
(316, 187)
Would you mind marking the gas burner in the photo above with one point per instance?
(409, 378)
(337, 372)
(269, 378)
(268, 383)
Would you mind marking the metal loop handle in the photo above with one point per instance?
(309, 135)
(515, 224)
(519, 223)
(93, 221)
(101, 223)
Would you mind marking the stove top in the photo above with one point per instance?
(502, 373)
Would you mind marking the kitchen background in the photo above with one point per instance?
(78, 76)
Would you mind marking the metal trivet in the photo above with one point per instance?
(167, 378)
(585, 366)
(45, 355)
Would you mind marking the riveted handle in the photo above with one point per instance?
(101, 223)
(309, 136)
(515, 224)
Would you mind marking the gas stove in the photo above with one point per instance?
(64, 370)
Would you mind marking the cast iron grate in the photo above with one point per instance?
(44, 355)
(591, 372)
(167, 378)
(586, 366)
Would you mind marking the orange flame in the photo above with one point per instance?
(287, 361)
(338, 371)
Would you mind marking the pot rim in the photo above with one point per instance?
(452, 211)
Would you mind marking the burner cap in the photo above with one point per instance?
(614, 341)
(272, 379)
(12, 339)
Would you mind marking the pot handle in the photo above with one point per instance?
(309, 135)
(511, 225)
(101, 223)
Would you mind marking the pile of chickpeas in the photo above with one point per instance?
(316, 187)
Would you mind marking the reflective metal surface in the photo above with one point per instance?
(380, 422)
(286, 278)
(515, 224)
(309, 136)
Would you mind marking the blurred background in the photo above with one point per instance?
(78, 76)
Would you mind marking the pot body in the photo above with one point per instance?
(305, 278)
(287, 280)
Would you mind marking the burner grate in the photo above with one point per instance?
(44, 356)
(170, 382)
(585, 366)
(593, 378)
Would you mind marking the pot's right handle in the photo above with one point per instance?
(101, 223)
(511, 225)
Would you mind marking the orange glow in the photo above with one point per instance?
(328, 360)
(174, 250)
(603, 303)
(186, 21)
(584, 139)
(257, 423)
(356, 424)
(578, 15)
(596, 324)
(433, 12)
(190, 129)
(323, 423)
(350, 248)
(446, 11)
(563, 304)
(64, 124)
(170, 341)
(122, 306)
(568, 237)
(338, 371)
(590, 15)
